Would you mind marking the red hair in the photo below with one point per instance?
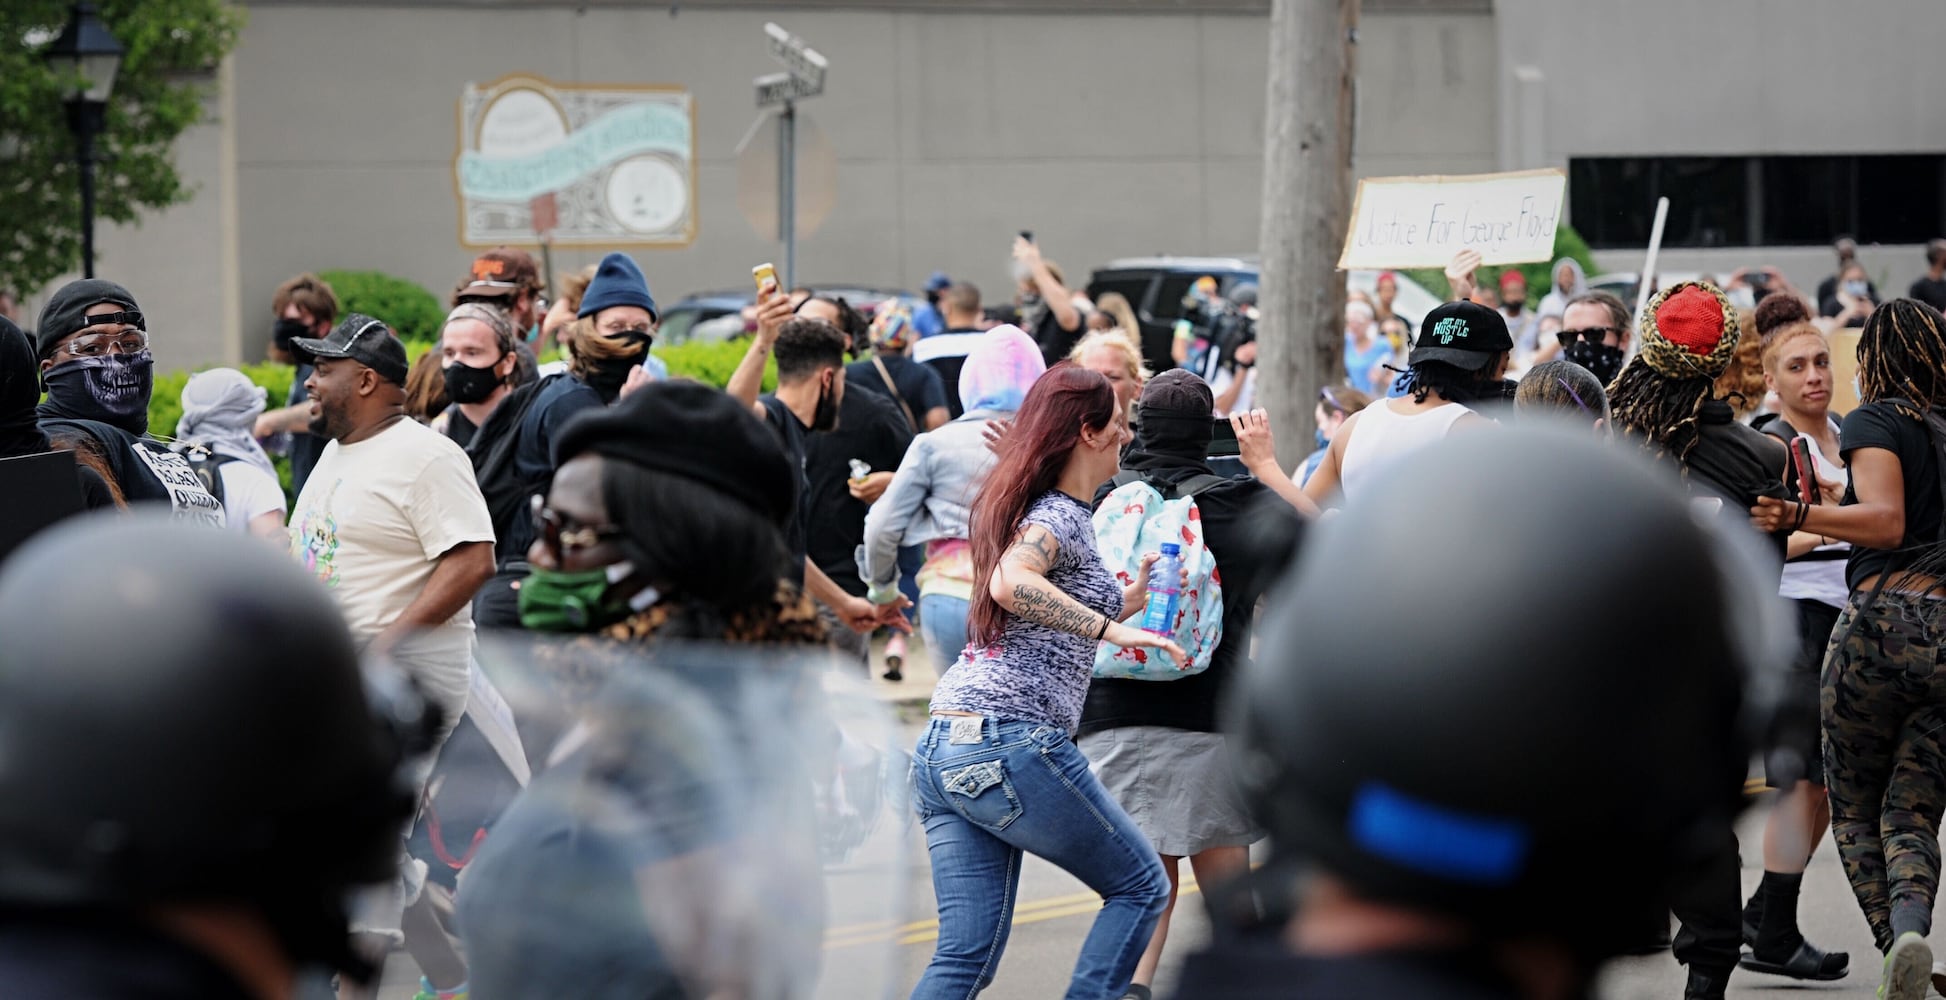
(1046, 429)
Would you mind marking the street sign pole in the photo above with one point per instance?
(787, 190)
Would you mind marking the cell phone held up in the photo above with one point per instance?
(765, 275)
(1803, 472)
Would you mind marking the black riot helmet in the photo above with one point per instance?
(183, 718)
(1459, 748)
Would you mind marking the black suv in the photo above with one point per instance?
(1155, 287)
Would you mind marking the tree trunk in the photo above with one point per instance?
(1306, 209)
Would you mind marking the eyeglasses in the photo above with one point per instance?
(560, 539)
(97, 345)
(1593, 335)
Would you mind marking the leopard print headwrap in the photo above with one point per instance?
(1689, 330)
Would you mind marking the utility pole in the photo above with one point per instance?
(1306, 209)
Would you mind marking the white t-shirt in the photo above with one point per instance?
(1820, 574)
(248, 493)
(372, 523)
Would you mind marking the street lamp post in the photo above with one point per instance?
(86, 51)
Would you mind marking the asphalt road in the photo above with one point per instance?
(882, 956)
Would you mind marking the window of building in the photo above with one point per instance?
(1717, 201)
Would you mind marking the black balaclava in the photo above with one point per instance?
(20, 428)
(1176, 409)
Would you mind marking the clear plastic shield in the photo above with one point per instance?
(693, 821)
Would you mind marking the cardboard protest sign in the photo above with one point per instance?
(1509, 218)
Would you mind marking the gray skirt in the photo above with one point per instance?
(1176, 785)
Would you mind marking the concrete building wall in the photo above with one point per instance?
(1108, 135)
(1724, 78)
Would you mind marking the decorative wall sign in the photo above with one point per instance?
(619, 161)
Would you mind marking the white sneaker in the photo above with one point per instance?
(1908, 968)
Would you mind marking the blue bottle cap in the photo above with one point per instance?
(1171, 549)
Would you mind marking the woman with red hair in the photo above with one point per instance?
(997, 774)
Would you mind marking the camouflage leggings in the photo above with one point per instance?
(1884, 717)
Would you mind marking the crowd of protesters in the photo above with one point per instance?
(1003, 483)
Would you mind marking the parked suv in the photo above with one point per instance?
(1155, 286)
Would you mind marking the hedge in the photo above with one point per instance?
(412, 312)
(712, 364)
(1539, 275)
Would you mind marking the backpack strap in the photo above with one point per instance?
(1197, 485)
(911, 421)
(1125, 477)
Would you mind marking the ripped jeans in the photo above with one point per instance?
(1005, 788)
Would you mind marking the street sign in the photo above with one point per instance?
(777, 88)
(803, 61)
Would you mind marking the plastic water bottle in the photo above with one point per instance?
(1165, 591)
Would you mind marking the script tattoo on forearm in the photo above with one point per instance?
(1054, 610)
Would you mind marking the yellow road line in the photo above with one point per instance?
(1031, 912)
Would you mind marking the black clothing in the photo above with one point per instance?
(792, 433)
(1828, 304)
(459, 428)
(1881, 425)
(137, 477)
(945, 353)
(1236, 517)
(1055, 342)
(556, 399)
(1708, 899)
(1736, 464)
(872, 430)
(56, 957)
(1931, 291)
(305, 448)
(1263, 972)
(921, 387)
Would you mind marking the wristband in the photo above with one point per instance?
(1103, 634)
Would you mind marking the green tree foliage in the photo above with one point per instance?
(412, 312)
(1540, 279)
(172, 50)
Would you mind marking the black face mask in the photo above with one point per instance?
(825, 417)
(1604, 361)
(286, 331)
(467, 384)
(610, 373)
(113, 389)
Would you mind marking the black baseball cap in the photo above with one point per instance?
(1462, 334)
(363, 339)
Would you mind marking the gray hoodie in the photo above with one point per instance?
(930, 495)
(1556, 301)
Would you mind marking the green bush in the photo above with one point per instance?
(412, 312)
(712, 363)
(1540, 275)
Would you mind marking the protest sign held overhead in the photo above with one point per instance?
(1508, 218)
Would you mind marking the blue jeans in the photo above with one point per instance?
(1025, 787)
(942, 620)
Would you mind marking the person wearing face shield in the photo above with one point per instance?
(219, 777)
(95, 363)
(1434, 800)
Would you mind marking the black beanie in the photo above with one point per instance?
(1177, 410)
(66, 313)
(690, 430)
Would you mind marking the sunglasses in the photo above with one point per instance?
(1593, 335)
(553, 529)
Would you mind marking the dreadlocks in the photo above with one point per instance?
(1660, 412)
(1902, 356)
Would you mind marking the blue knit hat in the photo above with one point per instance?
(618, 282)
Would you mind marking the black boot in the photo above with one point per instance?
(1706, 984)
(1778, 948)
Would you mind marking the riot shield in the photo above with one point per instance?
(700, 822)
